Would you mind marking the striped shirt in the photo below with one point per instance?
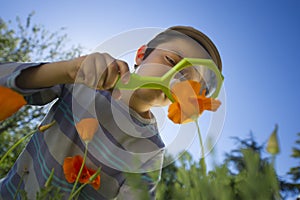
(125, 143)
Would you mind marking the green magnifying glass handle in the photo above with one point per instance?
(147, 82)
(163, 83)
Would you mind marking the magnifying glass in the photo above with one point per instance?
(207, 72)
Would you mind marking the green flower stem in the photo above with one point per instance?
(92, 178)
(49, 180)
(202, 159)
(16, 144)
(79, 173)
(78, 190)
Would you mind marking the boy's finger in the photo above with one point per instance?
(101, 81)
(123, 70)
(89, 71)
(111, 76)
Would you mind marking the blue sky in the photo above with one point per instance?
(258, 41)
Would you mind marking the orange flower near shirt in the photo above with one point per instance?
(87, 128)
(188, 104)
(10, 102)
(96, 182)
(71, 169)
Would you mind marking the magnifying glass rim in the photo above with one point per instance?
(187, 62)
(163, 83)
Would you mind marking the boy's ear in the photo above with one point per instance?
(140, 54)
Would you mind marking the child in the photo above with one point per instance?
(127, 140)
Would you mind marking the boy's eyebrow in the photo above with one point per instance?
(178, 54)
(172, 50)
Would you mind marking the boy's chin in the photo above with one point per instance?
(153, 97)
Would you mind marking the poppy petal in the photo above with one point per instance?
(86, 128)
(96, 182)
(71, 168)
(10, 102)
(69, 171)
(174, 112)
(189, 104)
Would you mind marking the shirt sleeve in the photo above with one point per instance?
(41, 96)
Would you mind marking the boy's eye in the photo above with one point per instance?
(170, 60)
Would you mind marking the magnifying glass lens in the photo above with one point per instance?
(200, 73)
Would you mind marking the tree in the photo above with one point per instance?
(293, 188)
(235, 158)
(295, 171)
(32, 42)
(28, 43)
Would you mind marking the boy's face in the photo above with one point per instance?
(160, 60)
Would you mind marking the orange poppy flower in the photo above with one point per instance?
(87, 128)
(96, 182)
(188, 104)
(71, 169)
(10, 102)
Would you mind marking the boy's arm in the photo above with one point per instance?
(96, 70)
(36, 96)
(47, 75)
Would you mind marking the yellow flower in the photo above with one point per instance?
(188, 104)
(43, 128)
(273, 144)
(86, 128)
(10, 102)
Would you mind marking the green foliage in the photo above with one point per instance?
(49, 192)
(169, 178)
(135, 180)
(235, 159)
(27, 42)
(292, 188)
(295, 171)
(13, 129)
(31, 42)
(243, 175)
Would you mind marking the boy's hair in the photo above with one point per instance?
(180, 31)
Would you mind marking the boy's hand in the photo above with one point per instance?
(101, 71)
